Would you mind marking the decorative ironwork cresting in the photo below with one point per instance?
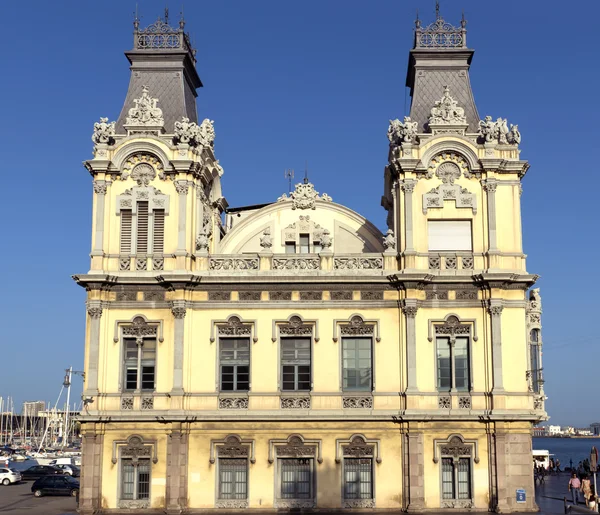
(161, 35)
(441, 34)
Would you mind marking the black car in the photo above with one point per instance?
(55, 485)
(39, 471)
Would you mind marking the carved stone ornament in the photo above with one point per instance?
(293, 504)
(359, 503)
(147, 403)
(145, 112)
(325, 239)
(448, 166)
(452, 327)
(94, 310)
(280, 295)
(202, 241)
(207, 134)
(143, 175)
(233, 403)
(495, 310)
(464, 402)
(104, 132)
(233, 264)
(233, 448)
(498, 131)
(357, 402)
(535, 300)
(138, 504)
(234, 327)
(341, 295)
(311, 295)
(444, 402)
(186, 132)
(446, 111)
(265, 240)
(514, 136)
(399, 132)
(357, 327)
(295, 327)
(455, 448)
(389, 241)
(181, 187)
(232, 504)
(304, 196)
(178, 311)
(139, 328)
(136, 449)
(358, 263)
(288, 263)
(295, 403)
(410, 311)
(100, 187)
(295, 448)
(358, 448)
(371, 295)
(462, 197)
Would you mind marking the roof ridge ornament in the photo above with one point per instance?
(304, 196)
(446, 111)
(498, 131)
(440, 34)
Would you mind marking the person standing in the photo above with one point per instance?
(574, 486)
(558, 466)
(586, 489)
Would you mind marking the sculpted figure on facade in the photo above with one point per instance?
(145, 111)
(202, 242)
(514, 136)
(206, 133)
(399, 132)
(104, 132)
(265, 240)
(446, 111)
(498, 131)
(186, 131)
(487, 129)
(502, 130)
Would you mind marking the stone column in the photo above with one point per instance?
(489, 186)
(495, 309)
(178, 309)
(94, 309)
(176, 490)
(410, 311)
(416, 472)
(408, 186)
(182, 189)
(501, 449)
(90, 482)
(100, 188)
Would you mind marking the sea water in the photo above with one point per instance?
(567, 449)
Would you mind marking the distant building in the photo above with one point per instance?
(539, 431)
(32, 408)
(595, 428)
(554, 430)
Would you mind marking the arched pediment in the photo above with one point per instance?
(349, 232)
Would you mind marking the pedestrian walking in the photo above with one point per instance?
(558, 466)
(551, 466)
(574, 486)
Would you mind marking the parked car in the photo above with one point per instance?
(62, 461)
(9, 476)
(55, 485)
(39, 471)
(69, 470)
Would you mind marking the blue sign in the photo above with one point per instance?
(521, 496)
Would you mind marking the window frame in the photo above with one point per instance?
(468, 221)
(235, 364)
(345, 461)
(295, 363)
(451, 342)
(372, 367)
(535, 353)
(220, 462)
(139, 363)
(312, 479)
(135, 462)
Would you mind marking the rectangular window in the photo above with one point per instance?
(126, 225)
(142, 228)
(453, 364)
(290, 247)
(456, 479)
(449, 235)
(135, 479)
(295, 476)
(233, 478)
(535, 370)
(139, 364)
(235, 364)
(304, 244)
(358, 478)
(295, 364)
(357, 364)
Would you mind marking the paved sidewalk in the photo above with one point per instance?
(551, 493)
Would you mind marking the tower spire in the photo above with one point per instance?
(437, 9)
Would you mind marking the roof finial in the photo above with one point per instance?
(181, 19)
(305, 172)
(463, 22)
(418, 21)
(136, 20)
(166, 15)
(437, 9)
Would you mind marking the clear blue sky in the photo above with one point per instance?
(288, 82)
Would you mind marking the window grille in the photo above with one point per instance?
(358, 478)
(235, 364)
(233, 478)
(142, 228)
(295, 364)
(456, 478)
(140, 363)
(158, 241)
(296, 478)
(135, 479)
(357, 364)
(453, 364)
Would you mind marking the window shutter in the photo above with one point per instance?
(142, 228)
(126, 219)
(159, 231)
(449, 235)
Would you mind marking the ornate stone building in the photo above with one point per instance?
(290, 355)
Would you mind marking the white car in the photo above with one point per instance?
(9, 476)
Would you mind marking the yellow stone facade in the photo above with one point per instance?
(436, 413)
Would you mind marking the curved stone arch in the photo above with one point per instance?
(463, 148)
(295, 440)
(463, 321)
(134, 441)
(340, 443)
(296, 318)
(371, 234)
(232, 440)
(439, 442)
(236, 319)
(131, 147)
(338, 322)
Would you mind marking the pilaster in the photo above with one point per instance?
(408, 186)
(182, 187)
(94, 310)
(410, 309)
(495, 309)
(91, 473)
(416, 471)
(179, 310)
(490, 185)
(176, 488)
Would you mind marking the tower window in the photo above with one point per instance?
(449, 235)
(304, 244)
